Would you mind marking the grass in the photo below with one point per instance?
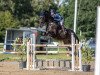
(8, 57)
(55, 49)
(14, 57)
(1, 47)
(53, 56)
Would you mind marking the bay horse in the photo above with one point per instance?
(55, 31)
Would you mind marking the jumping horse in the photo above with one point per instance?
(55, 31)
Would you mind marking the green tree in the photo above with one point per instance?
(7, 21)
(87, 17)
(67, 10)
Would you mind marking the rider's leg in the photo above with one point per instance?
(61, 23)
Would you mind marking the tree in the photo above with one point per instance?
(6, 21)
(67, 10)
(87, 17)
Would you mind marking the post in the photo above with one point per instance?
(5, 42)
(80, 57)
(33, 43)
(97, 61)
(75, 16)
(73, 50)
(31, 53)
(28, 56)
(58, 48)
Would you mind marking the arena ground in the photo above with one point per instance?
(12, 68)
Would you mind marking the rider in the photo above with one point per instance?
(57, 18)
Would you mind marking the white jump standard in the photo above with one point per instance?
(31, 56)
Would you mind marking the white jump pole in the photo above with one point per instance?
(97, 60)
(31, 52)
(73, 50)
(80, 57)
(34, 56)
(5, 42)
(28, 60)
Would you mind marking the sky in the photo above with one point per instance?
(60, 2)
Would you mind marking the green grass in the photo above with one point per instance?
(53, 56)
(1, 47)
(14, 57)
(10, 57)
(56, 49)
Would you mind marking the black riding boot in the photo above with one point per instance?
(63, 29)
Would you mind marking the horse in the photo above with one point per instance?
(55, 31)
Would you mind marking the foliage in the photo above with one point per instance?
(20, 47)
(86, 54)
(7, 21)
(87, 11)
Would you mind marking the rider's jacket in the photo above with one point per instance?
(57, 17)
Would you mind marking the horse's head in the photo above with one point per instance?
(45, 18)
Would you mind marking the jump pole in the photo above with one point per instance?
(33, 45)
(80, 57)
(28, 59)
(73, 50)
(97, 61)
